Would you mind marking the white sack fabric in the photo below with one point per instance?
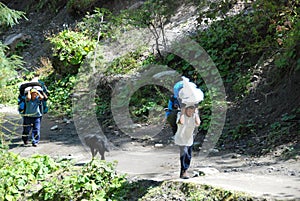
(190, 94)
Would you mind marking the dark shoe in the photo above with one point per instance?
(25, 142)
(34, 145)
(184, 175)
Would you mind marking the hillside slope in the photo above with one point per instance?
(267, 119)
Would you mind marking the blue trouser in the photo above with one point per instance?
(33, 123)
(185, 157)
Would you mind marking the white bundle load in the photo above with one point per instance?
(190, 94)
(38, 88)
(35, 87)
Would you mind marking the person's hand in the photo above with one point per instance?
(41, 97)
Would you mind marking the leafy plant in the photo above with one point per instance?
(289, 57)
(205, 112)
(146, 100)
(41, 178)
(236, 43)
(60, 101)
(100, 23)
(288, 117)
(210, 11)
(153, 14)
(102, 106)
(97, 180)
(9, 17)
(8, 66)
(20, 46)
(283, 129)
(229, 44)
(3, 135)
(70, 49)
(125, 64)
(242, 130)
(10, 91)
(51, 5)
(241, 87)
(18, 176)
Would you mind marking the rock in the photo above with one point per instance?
(291, 173)
(206, 171)
(54, 127)
(158, 145)
(214, 151)
(236, 170)
(13, 39)
(235, 156)
(198, 173)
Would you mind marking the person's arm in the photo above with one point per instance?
(197, 118)
(181, 119)
(41, 97)
(44, 95)
(169, 110)
(28, 96)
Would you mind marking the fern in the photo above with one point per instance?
(9, 17)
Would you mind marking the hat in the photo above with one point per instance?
(33, 90)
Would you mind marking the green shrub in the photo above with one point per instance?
(9, 92)
(18, 176)
(60, 100)
(42, 5)
(236, 43)
(148, 99)
(125, 64)
(8, 74)
(289, 55)
(8, 64)
(242, 85)
(100, 21)
(41, 178)
(70, 48)
(97, 180)
(80, 6)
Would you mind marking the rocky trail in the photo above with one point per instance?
(267, 177)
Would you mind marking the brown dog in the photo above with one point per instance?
(96, 144)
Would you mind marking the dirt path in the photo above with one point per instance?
(262, 177)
